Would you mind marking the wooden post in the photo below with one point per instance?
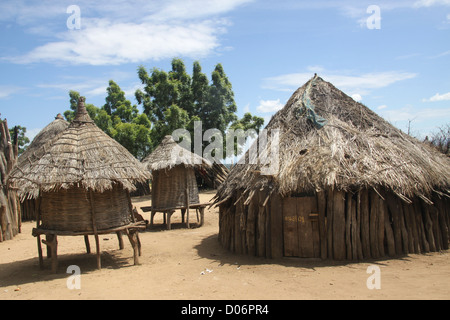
(276, 225)
(132, 236)
(52, 247)
(348, 225)
(250, 230)
(425, 247)
(120, 239)
(374, 210)
(330, 214)
(94, 227)
(395, 214)
(261, 221)
(339, 251)
(88, 245)
(322, 208)
(363, 200)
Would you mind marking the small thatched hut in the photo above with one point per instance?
(83, 179)
(350, 186)
(174, 185)
(50, 132)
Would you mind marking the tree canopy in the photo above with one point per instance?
(170, 101)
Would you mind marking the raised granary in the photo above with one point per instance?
(83, 179)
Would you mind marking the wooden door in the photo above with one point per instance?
(300, 227)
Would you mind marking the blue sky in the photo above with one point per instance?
(397, 65)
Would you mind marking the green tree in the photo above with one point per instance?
(119, 119)
(23, 140)
(166, 95)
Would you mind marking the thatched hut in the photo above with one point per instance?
(174, 185)
(46, 135)
(83, 179)
(350, 186)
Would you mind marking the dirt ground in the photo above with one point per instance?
(190, 264)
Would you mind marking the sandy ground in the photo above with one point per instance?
(190, 264)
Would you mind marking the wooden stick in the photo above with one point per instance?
(88, 245)
(94, 226)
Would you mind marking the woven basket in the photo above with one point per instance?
(70, 210)
(169, 187)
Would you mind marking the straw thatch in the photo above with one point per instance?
(46, 135)
(356, 148)
(169, 154)
(174, 183)
(349, 185)
(82, 155)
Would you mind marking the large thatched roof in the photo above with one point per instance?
(169, 154)
(82, 155)
(355, 148)
(46, 135)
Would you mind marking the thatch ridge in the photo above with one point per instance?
(82, 155)
(355, 149)
(169, 154)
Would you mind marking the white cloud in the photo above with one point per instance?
(438, 97)
(116, 32)
(6, 91)
(267, 106)
(430, 3)
(357, 97)
(382, 107)
(352, 84)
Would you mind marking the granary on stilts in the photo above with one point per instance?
(174, 185)
(83, 180)
(46, 135)
(349, 186)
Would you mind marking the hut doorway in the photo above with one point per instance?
(300, 227)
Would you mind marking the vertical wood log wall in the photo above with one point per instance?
(9, 202)
(364, 224)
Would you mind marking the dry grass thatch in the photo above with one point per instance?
(355, 149)
(80, 156)
(46, 135)
(169, 154)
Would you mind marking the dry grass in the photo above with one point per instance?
(356, 149)
(80, 156)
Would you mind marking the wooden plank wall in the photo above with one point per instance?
(351, 226)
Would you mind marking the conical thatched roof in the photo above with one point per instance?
(82, 155)
(355, 148)
(46, 135)
(169, 154)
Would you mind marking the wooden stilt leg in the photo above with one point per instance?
(52, 248)
(48, 239)
(119, 237)
(151, 218)
(41, 259)
(88, 245)
(97, 247)
(183, 212)
(132, 236)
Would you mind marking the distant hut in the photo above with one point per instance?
(50, 132)
(350, 186)
(83, 179)
(174, 185)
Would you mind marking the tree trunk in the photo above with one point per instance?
(9, 202)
